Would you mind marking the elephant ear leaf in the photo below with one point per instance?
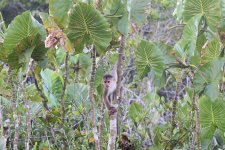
(212, 115)
(149, 58)
(210, 9)
(88, 26)
(24, 40)
(207, 78)
(58, 10)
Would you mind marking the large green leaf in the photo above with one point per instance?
(134, 112)
(88, 26)
(189, 37)
(58, 10)
(210, 9)
(52, 86)
(212, 114)
(149, 58)
(22, 26)
(207, 78)
(117, 12)
(212, 51)
(223, 8)
(137, 10)
(78, 92)
(24, 39)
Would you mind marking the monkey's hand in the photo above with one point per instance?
(112, 110)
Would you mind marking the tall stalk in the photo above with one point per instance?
(113, 118)
(14, 109)
(27, 107)
(43, 99)
(92, 100)
(197, 128)
(62, 101)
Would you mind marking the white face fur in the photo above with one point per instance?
(110, 84)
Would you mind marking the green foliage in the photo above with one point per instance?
(150, 74)
(134, 112)
(87, 25)
(189, 37)
(58, 10)
(137, 10)
(52, 85)
(212, 116)
(210, 9)
(78, 93)
(149, 57)
(208, 77)
(24, 40)
(212, 51)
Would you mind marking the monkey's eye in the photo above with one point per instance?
(108, 81)
(105, 81)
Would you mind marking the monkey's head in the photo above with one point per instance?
(107, 80)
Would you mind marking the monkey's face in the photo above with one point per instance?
(107, 83)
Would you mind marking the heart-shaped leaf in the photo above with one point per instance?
(88, 26)
(24, 39)
(58, 10)
(212, 51)
(52, 86)
(210, 9)
(207, 78)
(149, 58)
(212, 114)
(189, 37)
(137, 10)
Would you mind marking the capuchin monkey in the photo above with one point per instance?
(109, 85)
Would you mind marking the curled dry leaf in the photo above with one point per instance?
(53, 38)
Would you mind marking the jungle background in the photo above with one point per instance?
(170, 62)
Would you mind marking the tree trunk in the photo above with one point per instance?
(113, 118)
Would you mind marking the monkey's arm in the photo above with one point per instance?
(106, 100)
(110, 108)
(114, 72)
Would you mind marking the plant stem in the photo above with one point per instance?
(198, 130)
(27, 107)
(92, 100)
(43, 99)
(62, 100)
(113, 118)
(14, 109)
(101, 128)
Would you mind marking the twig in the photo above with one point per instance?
(178, 25)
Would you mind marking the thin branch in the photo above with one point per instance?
(101, 128)
(62, 100)
(174, 107)
(192, 127)
(176, 26)
(91, 96)
(43, 99)
(27, 107)
(14, 109)
(198, 129)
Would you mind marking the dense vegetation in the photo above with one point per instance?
(170, 64)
